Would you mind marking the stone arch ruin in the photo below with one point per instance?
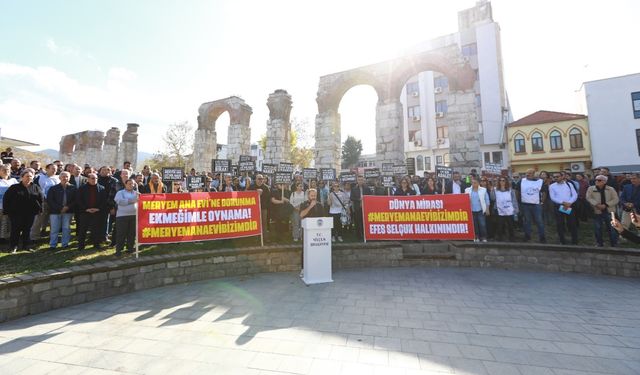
(388, 79)
(98, 148)
(239, 135)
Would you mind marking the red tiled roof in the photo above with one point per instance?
(543, 117)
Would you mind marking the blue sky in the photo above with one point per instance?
(67, 66)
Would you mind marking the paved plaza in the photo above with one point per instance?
(370, 321)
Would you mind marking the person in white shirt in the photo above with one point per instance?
(298, 196)
(532, 194)
(563, 194)
(337, 203)
(479, 208)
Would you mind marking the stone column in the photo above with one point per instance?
(239, 135)
(327, 146)
(278, 128)
(111, 149)
(129, 146)
(389, 140)
(90, 148)
(464, 132)
(204, 148)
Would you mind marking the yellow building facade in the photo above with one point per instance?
(550, 141)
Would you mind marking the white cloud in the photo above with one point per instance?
(42, 104)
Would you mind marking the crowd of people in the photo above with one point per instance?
(103, 202)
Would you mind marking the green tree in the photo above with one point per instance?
(178, 148)
(351, 151)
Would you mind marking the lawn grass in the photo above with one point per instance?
(45, 259)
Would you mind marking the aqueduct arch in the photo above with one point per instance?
(388, 78)
(239, 135)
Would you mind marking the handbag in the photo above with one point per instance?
(345, 219)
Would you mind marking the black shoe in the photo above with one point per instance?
(81, 248)
(52, 248)
(98, 247)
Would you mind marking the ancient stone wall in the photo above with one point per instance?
(388, 78)
(239, 134)
(96, 148)
(278, 128)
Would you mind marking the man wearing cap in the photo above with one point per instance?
(603, 199)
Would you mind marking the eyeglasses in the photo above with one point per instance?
(600, 180)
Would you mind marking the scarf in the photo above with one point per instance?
(158, 190)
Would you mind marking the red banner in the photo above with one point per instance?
(421, 217)
(186, 217)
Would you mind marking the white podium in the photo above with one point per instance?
(317, 250)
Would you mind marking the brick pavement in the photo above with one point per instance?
(369, 321)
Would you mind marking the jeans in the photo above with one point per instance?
(532, 212)
(604, 220)
(480, 225)
(60, 221)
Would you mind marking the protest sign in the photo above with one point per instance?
(327, 174)
(309, 173)
(221, 165)
(195, 182)
(371, 173)
(187, 217)
(172, 174)
(423, 217)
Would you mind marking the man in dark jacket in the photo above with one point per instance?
(357, 192)
(92, 212)
(456, 185)
(630, 198)
(61, 199)
(111, 187)
(22, 202)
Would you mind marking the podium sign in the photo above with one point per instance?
(317, 250)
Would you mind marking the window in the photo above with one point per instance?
(427, 163)
(412, 87)
(575, 138)
(487, 157)
(441, 106)
(446, 159)
(413, 111)
(635, 100)
(439, 160)
(497, 157)
(420, 163)
(470, 49)
(518, 142)
(443, 132)
(556, 140)
(441, 81)
(536, 142)
(478, 101)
